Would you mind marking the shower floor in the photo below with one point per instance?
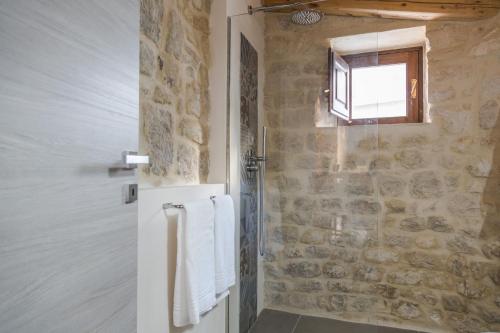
(271, 321)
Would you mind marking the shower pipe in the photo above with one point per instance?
(262, 177)
(258, 164)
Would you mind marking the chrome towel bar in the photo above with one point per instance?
(170, 205)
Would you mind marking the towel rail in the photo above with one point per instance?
(170, 205)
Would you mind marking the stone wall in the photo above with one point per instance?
(174, 98)
(389, 224)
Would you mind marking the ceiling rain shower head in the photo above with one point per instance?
(302, 16)
(306, 16)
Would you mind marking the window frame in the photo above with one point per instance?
(413, 58)
(336, 65)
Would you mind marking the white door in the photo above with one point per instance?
(69, 76)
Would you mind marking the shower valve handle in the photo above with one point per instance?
(252, 168)
(258, 158)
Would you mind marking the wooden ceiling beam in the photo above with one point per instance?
(411, 9)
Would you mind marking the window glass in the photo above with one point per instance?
(379, 91)
(341, 86)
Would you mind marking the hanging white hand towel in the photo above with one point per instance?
(225, 276)
(194, 291)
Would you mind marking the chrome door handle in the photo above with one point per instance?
(131, 160)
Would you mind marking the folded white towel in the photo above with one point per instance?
(194, 291)
(225, 275)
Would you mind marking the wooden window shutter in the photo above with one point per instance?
(339, 101)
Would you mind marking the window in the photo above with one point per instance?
(377, 87)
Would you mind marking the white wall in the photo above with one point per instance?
(157, 260)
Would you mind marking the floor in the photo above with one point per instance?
(271, 321)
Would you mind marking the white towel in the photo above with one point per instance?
(225, 275)
(194, 291)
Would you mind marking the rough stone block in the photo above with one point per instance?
(425, 185)
(359, 184)
(424, 260)
(381, 256)
(471, 289)
(304, 203)
(380, 163)
(453, 303)
(192, 130)
(285, 234)
(457, 264)
(303, 269)
(341, 286)
(441, 95)
(348, 239)
(330, 222)
(386, 291)
(158, 133)
(333, 303)
(330, 204)
(323, 182)
(421, 296)
(276, 299)
(302, 301)
(405, 277)
(427, 242)
(322, 143)
(368, 273)
(175, 35)
(147, 60)
(461, 244)
(312, 162)
(287, 141)
(406, 310)
(438, 224)
(334, 271)
(392, 186)
(299, 218)
(491, 250)
(314, 237)
(364, 207)
(346, 255)
(479, 269)
(413, 224)
(151, 18)
(277, 286)
(362, 304)
(488, 114)
(466, 324)
(292, 252)
(398, 241)
(317, 252)
(410, 159)
(439, 280)
(395, 206)
(464, 204)
(270, 270)
(286, 184)
(494, 274)
(188, 162)
(308, 286)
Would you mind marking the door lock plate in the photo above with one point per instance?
(131, 193)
